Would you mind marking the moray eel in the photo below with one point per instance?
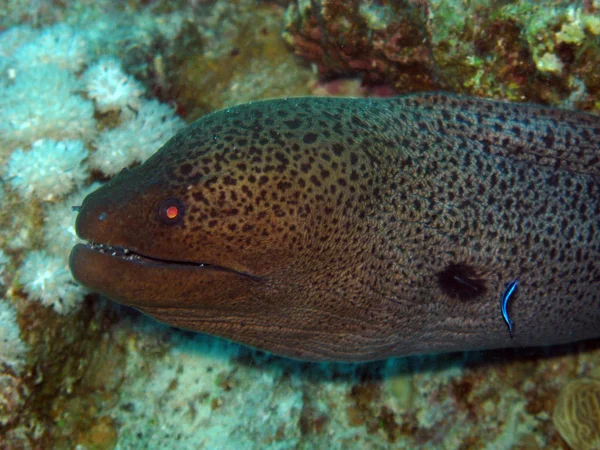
(359, 229)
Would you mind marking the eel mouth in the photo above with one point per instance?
(146, 282)
(130, 255)
(127, 255)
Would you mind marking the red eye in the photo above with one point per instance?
(170, 211)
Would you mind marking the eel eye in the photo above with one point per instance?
(170, 211)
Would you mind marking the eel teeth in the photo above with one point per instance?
(113, 251)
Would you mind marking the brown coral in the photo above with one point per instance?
(577, 414)
(385, 43)
(544, 51)
(13, 393)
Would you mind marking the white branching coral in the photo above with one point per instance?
(12, 348)
(45, 275)
(59, 226)
(40, 90)
(15, 37)
(60, 45)
(10, 40)
(44, 103)
(136, 139)
(47, 278)
(49, 170)
(110, 87)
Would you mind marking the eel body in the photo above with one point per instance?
(359, 229)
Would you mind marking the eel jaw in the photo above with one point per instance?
(130, 255)
(145, 282)
(133, 256)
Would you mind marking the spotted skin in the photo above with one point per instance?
(361, 229)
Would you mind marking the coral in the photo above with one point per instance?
(549, 62)
(49, 170)
(556, 43)
(43, 103)
(47, 278)
(3, 260)
(63, 350)
(208, 400)
(20, 11)
(110, 87)
(13, 394)
(513, 50)
(39, 88)
(577, 414)
(231, 54)
(18, 221)
(384, 42)
(60, 45)
(140, 135)
(553, 34)
(12, 349)
(59, 223)
(13, 38)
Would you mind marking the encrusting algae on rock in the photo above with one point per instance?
(577, 414)
(543, 50)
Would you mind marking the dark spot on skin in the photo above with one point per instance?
(199, 197)
(309, 138)
(338, 149)
(185, 169)
(284, 185)
(293, 124)
(281, 158)
(461, 281)
(228, 180)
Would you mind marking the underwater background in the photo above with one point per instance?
(90, 87)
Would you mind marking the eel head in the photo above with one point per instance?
(215, 235)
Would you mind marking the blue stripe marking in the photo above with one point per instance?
(504, 303)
